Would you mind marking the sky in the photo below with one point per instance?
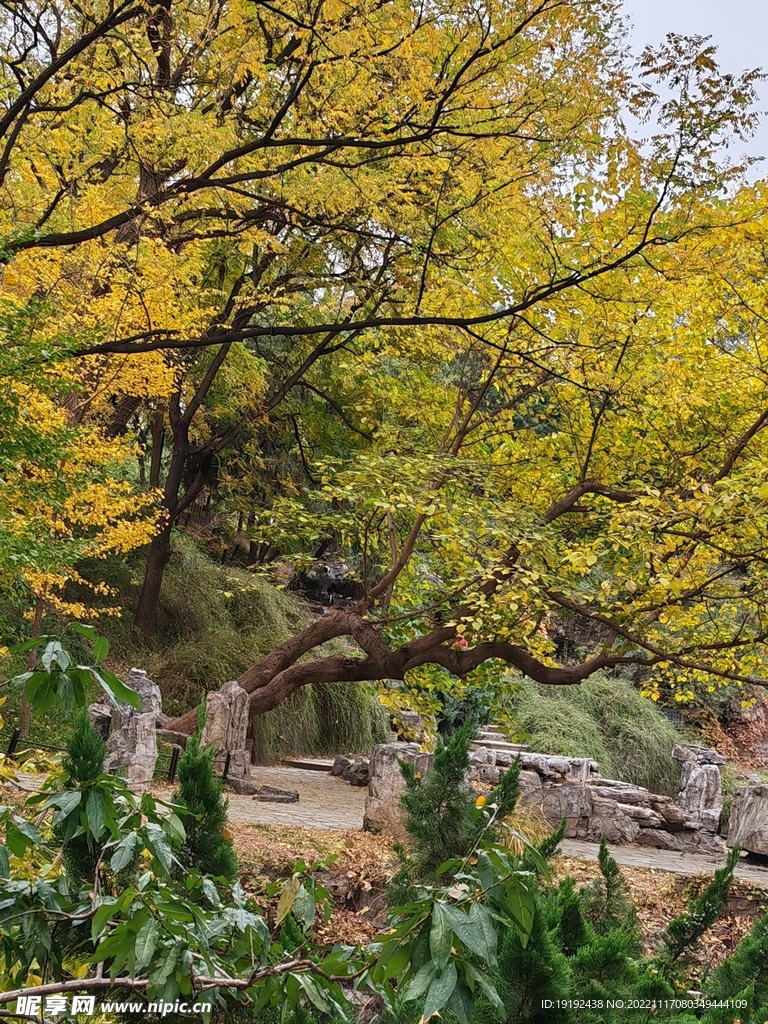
(739, 28)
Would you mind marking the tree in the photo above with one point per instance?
(445, 142)
(395, 186)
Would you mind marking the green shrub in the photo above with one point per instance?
(206, 848)
(604, 718)
(83, 762)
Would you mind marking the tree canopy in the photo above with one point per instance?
(398, 278)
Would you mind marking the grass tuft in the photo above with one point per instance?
(604, 718)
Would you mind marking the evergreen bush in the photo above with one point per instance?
(206, 847)
(83, 763)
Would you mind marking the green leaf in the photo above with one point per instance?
(480, 917)
(95, 813)
(102, 915)
(461, 1003)
(488, 989)
(124, 852)
(211, 892)
(116, 688)
(314, 992)
(146, 942)
(158, 844)
(471, 932)
(485, 871)
(440, 935)
(304, 907)
(419, 983)
(64, 803)
(85, 629)
(440, 991)
(100, 649)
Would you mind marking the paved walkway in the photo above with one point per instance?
(329, 803)
(324, 800)
(665, 860)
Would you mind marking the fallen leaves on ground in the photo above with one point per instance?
(364, 863)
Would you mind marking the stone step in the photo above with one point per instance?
(505, 745)
(309, 763)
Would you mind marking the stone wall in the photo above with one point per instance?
(572, 788)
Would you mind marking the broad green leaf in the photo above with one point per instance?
(471, 932)
(440, 991)
(480, 917)
(304, 907)
(100, 649)
(211, 892)
(146, 941)
(124, 852)
(419, 983)
(440, 935)
(102, 915)
(461, 1002)
(116, 688)
(95, 812)
(488, 989)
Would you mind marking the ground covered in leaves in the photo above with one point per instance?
(356, 866)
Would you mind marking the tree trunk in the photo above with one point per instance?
(158, 436)
(157, 557)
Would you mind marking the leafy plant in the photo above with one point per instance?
(56, 674)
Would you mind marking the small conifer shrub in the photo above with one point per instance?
(206, 846)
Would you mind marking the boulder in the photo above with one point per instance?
(570, 800)
(616, 828)
(623, 791)
(674, 818)
(548, 766)
(488, 774)
(226, 725)
(644, 815)
(748, 823)
(149, 693)
(101, 718)
(702, 755)
(243, 787)
(386, 786)
(482, 756)
(270, 794)
(659, 839)
(132, 747)
(355, 771)
(701, 793)
(531, 789)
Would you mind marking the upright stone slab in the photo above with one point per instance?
(701, 793)
(748, 823)
(132, 747)
(386, 786)
(226, 725)
(131, 733)
(149, 694)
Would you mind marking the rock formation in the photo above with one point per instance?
(225, 729)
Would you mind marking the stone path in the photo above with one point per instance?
(329, 803)
(324, 800)
(666, 860)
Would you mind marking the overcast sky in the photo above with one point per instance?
(739, 28)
